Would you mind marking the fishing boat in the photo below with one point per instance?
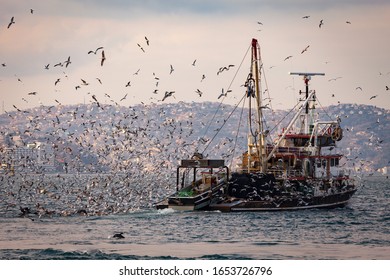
(300, 169)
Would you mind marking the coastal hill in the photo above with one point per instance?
(107, 138)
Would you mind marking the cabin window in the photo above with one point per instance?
(334, 162)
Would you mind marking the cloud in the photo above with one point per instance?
(215, 34)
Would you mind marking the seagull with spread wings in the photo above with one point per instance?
(103, 58)
(94, 52)
(11, 22)
(305, 49)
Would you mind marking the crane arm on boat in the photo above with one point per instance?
(290, 125)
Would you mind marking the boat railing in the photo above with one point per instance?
(281, 173)
(299, 151)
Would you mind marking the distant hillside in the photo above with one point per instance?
(150, 138)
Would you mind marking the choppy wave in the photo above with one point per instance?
(358, 231)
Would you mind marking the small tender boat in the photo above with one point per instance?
(299, 170)
(199, 183)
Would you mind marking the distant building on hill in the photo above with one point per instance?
(33, 157)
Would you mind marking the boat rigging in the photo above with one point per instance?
(293, 172)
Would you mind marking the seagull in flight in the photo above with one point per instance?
(224, 93)
(140, 47)
(305, 49)
(171, 69)
(67, 62)
(94, 52)
(11, 22)
(321, 23)
(124, 97)
(288, 57)
(103, 59)
(334, 79)
(167, 94)
(374, 96)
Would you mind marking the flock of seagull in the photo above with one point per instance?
(74, 133)
(168, 93)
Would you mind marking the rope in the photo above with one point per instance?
(224, 122)
(284, 117)
(326, 112)
(236, 138)
(221, 102)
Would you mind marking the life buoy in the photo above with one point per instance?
(337, 134)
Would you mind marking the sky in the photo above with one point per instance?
(351, 48)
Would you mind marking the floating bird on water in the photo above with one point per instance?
(118, 235)
(11, 22)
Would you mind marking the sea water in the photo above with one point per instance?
(361, 230)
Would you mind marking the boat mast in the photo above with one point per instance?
(308, 126)
(260, 137)
(307, 121)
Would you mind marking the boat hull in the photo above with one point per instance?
(327, 201)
